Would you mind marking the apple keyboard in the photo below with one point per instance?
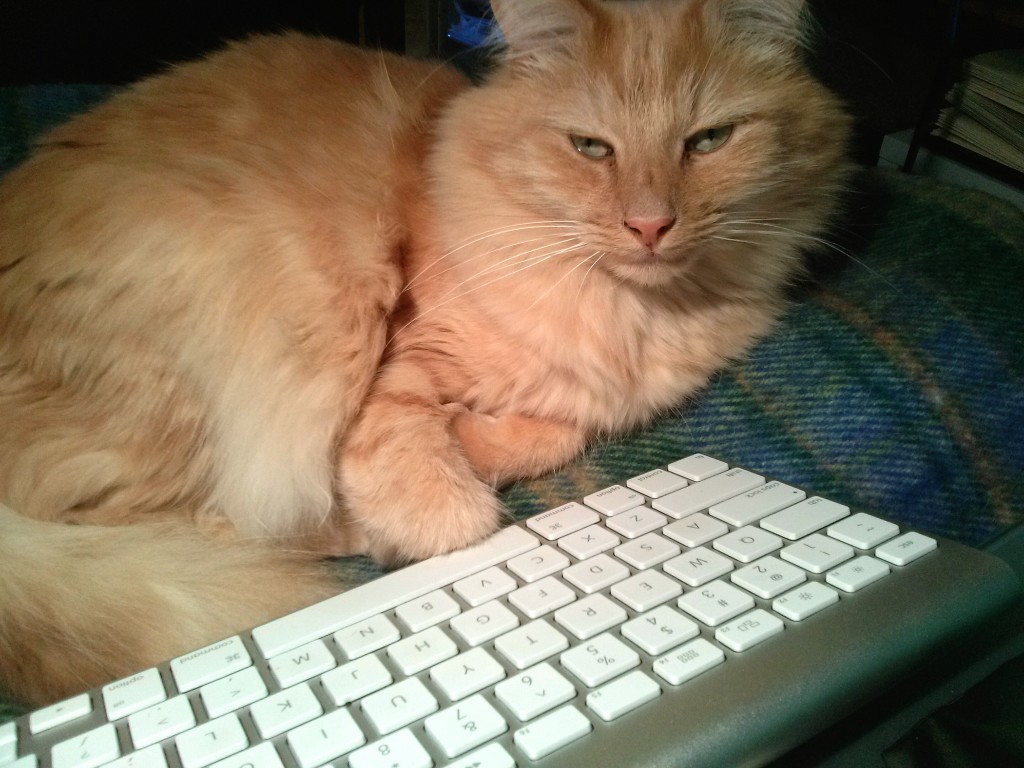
(695, 614)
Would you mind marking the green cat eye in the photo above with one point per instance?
(592, 147)
(709, 139)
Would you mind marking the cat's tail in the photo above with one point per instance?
(81, 606)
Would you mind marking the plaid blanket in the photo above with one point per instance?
(894, 384)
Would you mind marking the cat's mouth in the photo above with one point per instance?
(649, 267)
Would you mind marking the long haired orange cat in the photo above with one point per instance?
(300, 299)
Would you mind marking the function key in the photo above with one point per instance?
(906, 548)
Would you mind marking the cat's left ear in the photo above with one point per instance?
(537, 29)
(782, 25)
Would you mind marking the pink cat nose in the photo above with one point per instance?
(649, 229)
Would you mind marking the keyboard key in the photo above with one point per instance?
(716, 603)
(484, 586)
(768, 577)
(647, 551)
(161, 721)
(125, 697)
(534, 691)
(857, 574)
(863, 531)
(589, 616)
(60, 713)
(465, 725)
(562, 520)
(305, 662)
(749, 630)
(467, 673)
(695, 530)
(285, 710)
(535, 565)
(698, 566)
(551, 732)
(700, 496)
(492, 756)
(324, 739)
(688, 661)
(8, 742)
(541, 597)
(232, 692)
(599, 660)
(588, 542)
(87, 750)
(748, 543)
(261, 756)
(623, 695)
(805, 601)
(484, 623)
(644, 591)
(151, 757)
(906, 548)
(698, 467)
(595, 574)
(425, 649)
(659, 630)
(531, 644)
(367, 636)
(424, 612)
(613, 500)
(211, 741)
(656, 483)
(398, 705)
(398, 750)
(817, 553)
(636, 522)
(751, 506)
(806, 517)
(356, 679)
(210, 663)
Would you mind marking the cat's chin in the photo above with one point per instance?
(648, 270)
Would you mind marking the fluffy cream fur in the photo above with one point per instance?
(301, 298)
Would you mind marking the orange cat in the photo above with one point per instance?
(301, 299)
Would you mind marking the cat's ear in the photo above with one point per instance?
(779, 25)
(536, 29)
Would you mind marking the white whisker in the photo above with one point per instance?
(561, 279)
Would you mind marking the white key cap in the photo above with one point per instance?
(623, 695)
(535, 565)
(644, 591)
(305, 662)
(32, 761)
(60, 713)
(387, 592)
(806, 517)
(647, 551)
(127, 696)
(398, 705)
(748, 543)
(425, 649)
(428, 610)
(324, 739)
(856, 574)
(698, 566)
(465, 725)
(232, 692)
(210, 663)
(595, 574)
(467, 673)
(589, 616)
(688, 661)
(805, 601)
(484, 586)
(398, 750)
(659, 630)
(656, 483)
(636, 522)
(87, 750)
(534, 691)
(700, 496)
(161, 721)
(151, 757)
(698, 467)
(551, 732)
(752, 506)
(906, 548)
(8, 742)
(285, 710)
(356, 679)
(492, 756)
(261, 756)
(600, 659)
(613, 500)
(588, 542)
(484, 623)
(817, 553)
(695, 530)
(531, 644)
(768, 577)
(562, 520)
(749, 630)
(367, 636)
(863, 531)
(541, 597)
(716, 602)
(211, 741)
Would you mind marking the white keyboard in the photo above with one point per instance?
(696, 614)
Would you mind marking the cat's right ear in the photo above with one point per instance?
(534, 30)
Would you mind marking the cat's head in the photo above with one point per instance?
(658, 133)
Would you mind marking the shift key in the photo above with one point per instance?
(699, 496)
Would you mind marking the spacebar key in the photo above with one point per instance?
(390, 590)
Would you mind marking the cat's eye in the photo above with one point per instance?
(709, 139)
(591, 147)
